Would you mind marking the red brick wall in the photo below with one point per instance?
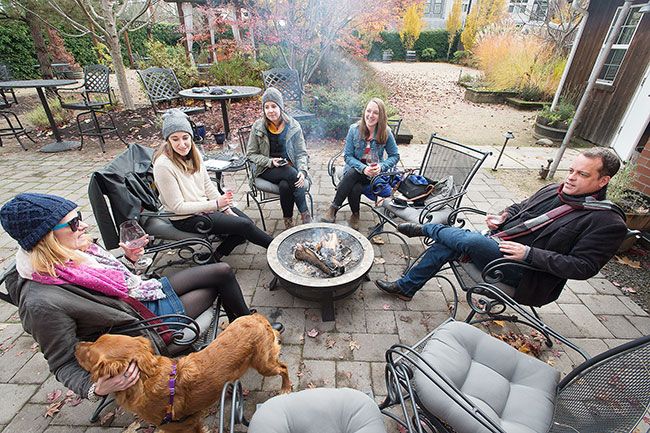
(642, 182)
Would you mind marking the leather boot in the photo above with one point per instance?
(306, 217)
(354, 221)
(288, 223)
(330, 215)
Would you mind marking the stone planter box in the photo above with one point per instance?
(520, 104)
(481, 96)
(552, 133)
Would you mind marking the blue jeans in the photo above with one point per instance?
(451, 243)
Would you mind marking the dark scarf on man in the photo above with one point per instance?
(570, 203)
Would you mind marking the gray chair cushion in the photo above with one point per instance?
(162, 228)
(516, 390)
(320, 410)
(270, 187)
(470, 275)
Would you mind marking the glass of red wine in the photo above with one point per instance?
(133, 236)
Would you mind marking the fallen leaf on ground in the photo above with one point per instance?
(312, 333)
(34, 347)
(379, 261)
(625, 260)
(54, 395)
(354, 345)
(406, 319)
(330, 342)
(500, 323)
(378, 240)
(628, 290)
(53, 409)
(133, 427)
(386, 307)
(107, 418)
(311, 385)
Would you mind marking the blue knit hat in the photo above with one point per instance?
(28, 217)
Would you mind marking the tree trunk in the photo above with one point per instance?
(236, 33)
(113, 41)
(42, 55)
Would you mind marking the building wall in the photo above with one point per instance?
(609, 102)
(642, 182)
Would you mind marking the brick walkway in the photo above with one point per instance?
(594, 314)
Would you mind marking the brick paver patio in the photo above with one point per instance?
(595, 314)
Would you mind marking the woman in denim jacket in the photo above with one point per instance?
(364, 159)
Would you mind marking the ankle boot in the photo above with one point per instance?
(306, 217)
(354, 221)
(288, 223)
(330, 215)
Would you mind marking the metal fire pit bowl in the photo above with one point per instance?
(291, 275)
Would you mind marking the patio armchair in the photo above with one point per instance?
(91, 98)
(317, 410)
(5, 75)
(12, 126)
(162, 87)
(261, 190)
(460, 379)
(288, 83)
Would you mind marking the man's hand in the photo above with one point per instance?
(301, 180)
(494, 221)
(107, 385)
(513, 250)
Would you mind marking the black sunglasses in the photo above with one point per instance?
(73, 223)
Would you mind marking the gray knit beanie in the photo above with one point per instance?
(175, 120)
(272, 94)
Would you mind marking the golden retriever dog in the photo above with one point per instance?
(247, 342)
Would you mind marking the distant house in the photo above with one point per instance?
(618, 114)
(521, 11)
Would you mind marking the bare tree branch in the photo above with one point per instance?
(126, 26)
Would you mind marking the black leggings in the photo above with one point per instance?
(350, 187)
(237, 230)
(285, 178)
(198, 288)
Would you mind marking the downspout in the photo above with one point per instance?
(574, 48)
(591, 83)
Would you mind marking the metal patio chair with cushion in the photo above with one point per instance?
(288, 83)
(123, 191)
(91, 98)
(12, 126)
(460, 379)
(162, 87)
(316, 410)
(176, 336)
(7, 94)
(261, 190)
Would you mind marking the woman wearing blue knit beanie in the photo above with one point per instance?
(186, 190)
(69, 289)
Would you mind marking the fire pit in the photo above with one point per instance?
(320, 262)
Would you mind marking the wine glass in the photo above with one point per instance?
(372, 159)
(133, 236)
(232, 145)
(228, 190)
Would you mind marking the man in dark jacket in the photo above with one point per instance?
(568, 231)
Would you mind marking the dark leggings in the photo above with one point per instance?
(198, 288)
(237, 230)
(350, 187)
(285, 178)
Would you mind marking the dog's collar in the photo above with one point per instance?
(169, 416)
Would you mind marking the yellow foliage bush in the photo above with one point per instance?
(516, 61)
(412, 25)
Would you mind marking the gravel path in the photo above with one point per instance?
(429, 100)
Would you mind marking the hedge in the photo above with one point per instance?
(82, 49)
(17, 50)
(436, 39)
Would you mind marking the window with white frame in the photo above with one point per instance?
(437, 8)
(620, 47)
(517, 6)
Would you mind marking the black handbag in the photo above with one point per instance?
(416, 188)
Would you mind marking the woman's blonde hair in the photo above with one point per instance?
(189, 163)
(381, 132)
(49, 252)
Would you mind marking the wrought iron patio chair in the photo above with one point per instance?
(262, 191)
(316, 410)
(288, 83)
(123, 190)
(12, 126)
(91, 98)
(460, 379)
(162, 87)
(5, 75)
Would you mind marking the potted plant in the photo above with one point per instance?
(554, 124)
(411, 28)
(387, 55)
(635, 204)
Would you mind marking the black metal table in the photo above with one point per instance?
(59, 145)
(238, 92)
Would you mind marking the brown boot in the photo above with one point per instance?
(330, 215)
(354, 221)
(306, 217)
(288, 223)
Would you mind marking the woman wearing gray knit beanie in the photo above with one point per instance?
(186, 189)
(277, 148)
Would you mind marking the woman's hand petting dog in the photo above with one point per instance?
(109, 384)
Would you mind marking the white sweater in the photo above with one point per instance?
(183, 193)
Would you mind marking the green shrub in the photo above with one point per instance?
(165, 56)
(428, 55)
(238, 71)
(466, 79)
(389, 41)
(436, 39)
(563, 114)
(531, 92)
(38, 118)
(17, 50)
(82, 49)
